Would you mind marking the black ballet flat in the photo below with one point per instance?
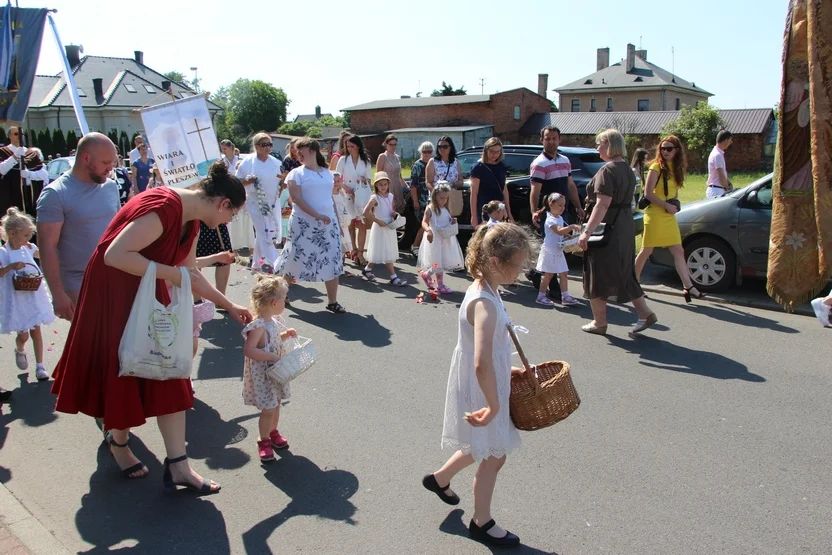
(480, 534)
(430, 483)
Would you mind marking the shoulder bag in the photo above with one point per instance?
(601, 235)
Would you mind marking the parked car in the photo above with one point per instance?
(56, 168)
(727, 238)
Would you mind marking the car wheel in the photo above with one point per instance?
(712, 264)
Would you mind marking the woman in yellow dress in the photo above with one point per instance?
(666, 175)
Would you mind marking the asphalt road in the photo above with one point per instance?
(708, 435)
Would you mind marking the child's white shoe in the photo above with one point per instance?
(40, 373)
(544, 300)
(569, 300)
(20, 360)
(821, 311)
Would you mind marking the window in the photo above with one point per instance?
(678, 103)
(130, 88)
(81, 92)
(149, 88)
(576, 104)
(609, 104)
(643, 105)
(592, 105)
(517, 112)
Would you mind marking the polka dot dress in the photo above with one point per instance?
(209, 241)
(258, 389)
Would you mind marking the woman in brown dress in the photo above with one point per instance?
(390, 163)
(609, 270)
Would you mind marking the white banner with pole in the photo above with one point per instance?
(182, 139)
(70, 81)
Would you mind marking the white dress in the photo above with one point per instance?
(241, 230)
(383, 244)
(258, 389)
(267, 227)
(344, 212)
(445, 253)
(551, 259)
(352, 174)
(22, 310)
(464, 394)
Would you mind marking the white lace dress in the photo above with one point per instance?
(258, 389)
(444, 252)
(464, 394)
(22, 310)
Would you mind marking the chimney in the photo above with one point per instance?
(317, 112)
(603, 59)
(138, 55)
(165, 85)
(73, 54)
(642, 54)
(631, 57)
(542, 84)
(98, 87)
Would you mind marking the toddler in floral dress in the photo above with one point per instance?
(264, 346)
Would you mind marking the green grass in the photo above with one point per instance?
(695, 185)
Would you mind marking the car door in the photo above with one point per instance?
(754, 228)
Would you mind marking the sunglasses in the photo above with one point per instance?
(444, 146)
(668, 148)
(264, 145)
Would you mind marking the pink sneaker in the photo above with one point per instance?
(427, 279)
(277, 440)
(264, 450)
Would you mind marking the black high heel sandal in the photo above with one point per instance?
(171, 486)
(138, 467)
(688, 295)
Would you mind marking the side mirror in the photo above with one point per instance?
(752, 198)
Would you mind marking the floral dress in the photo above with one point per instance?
(259, 389)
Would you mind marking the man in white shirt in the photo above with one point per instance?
(718, 183)
(134, 154)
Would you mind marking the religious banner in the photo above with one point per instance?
(801, 224)
(182, 139)
(21, 31)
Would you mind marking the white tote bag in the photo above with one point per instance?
(363, 192)
(157, 341)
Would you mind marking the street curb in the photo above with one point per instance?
(28, 530)
(717, 299)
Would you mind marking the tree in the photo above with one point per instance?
(112, 134)
(296, 128)
(178, 77)
(314, 132)
(45, 142)
(123, 143)
(448, 90)
(697, 126)
(59, 142)
(254, 106)
(72, 140)
(330, 121)
(627, 126)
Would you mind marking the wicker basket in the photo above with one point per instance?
(570, 245)
(543, 395)
(295, 362)
(27, 282)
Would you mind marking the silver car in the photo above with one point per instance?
(725, 239)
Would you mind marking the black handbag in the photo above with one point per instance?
(601, 235)
(644, 202)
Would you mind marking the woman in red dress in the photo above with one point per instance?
(160, 225)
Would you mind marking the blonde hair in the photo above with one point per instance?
(493, 141)
(502, 241)
(259, 137)
(434, 198)
(616, 141)
(267, 289)
(14, 221)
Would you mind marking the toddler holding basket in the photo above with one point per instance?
(24, 303)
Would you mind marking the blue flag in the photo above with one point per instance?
(21, 31)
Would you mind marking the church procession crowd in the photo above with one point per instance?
(98, 229)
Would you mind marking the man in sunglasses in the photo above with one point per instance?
(22, 175)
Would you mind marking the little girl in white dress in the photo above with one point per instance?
(22, 312)
(264, 346)
(383, 243)
(440, 251)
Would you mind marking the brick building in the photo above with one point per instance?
(633, 84)
(507, 111)
(754, 130)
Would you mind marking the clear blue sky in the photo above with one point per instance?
(338, 54)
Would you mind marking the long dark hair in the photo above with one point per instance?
(362, 154)
(680, 160)
(451, 154)
(550, 199)
(315, 147)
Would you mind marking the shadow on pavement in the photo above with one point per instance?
(665, 355)
(313, 492)
(455, 526)
(225, 359)
(119, 515)
(32, 403)
(731, 315)
(210, 437)
(346, 327)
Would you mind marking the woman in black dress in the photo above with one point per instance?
(213, 241)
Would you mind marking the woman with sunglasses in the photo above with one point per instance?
(260, 174)
(444, 166)
(390, 163)
(665, 176)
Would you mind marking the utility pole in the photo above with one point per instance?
(482, 85)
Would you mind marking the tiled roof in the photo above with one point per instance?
(115, 73)
(459, 129)
(420, 102)
(741, 122)
(309, 117)
(644, 74)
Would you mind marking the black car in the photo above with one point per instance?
(518, 159)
